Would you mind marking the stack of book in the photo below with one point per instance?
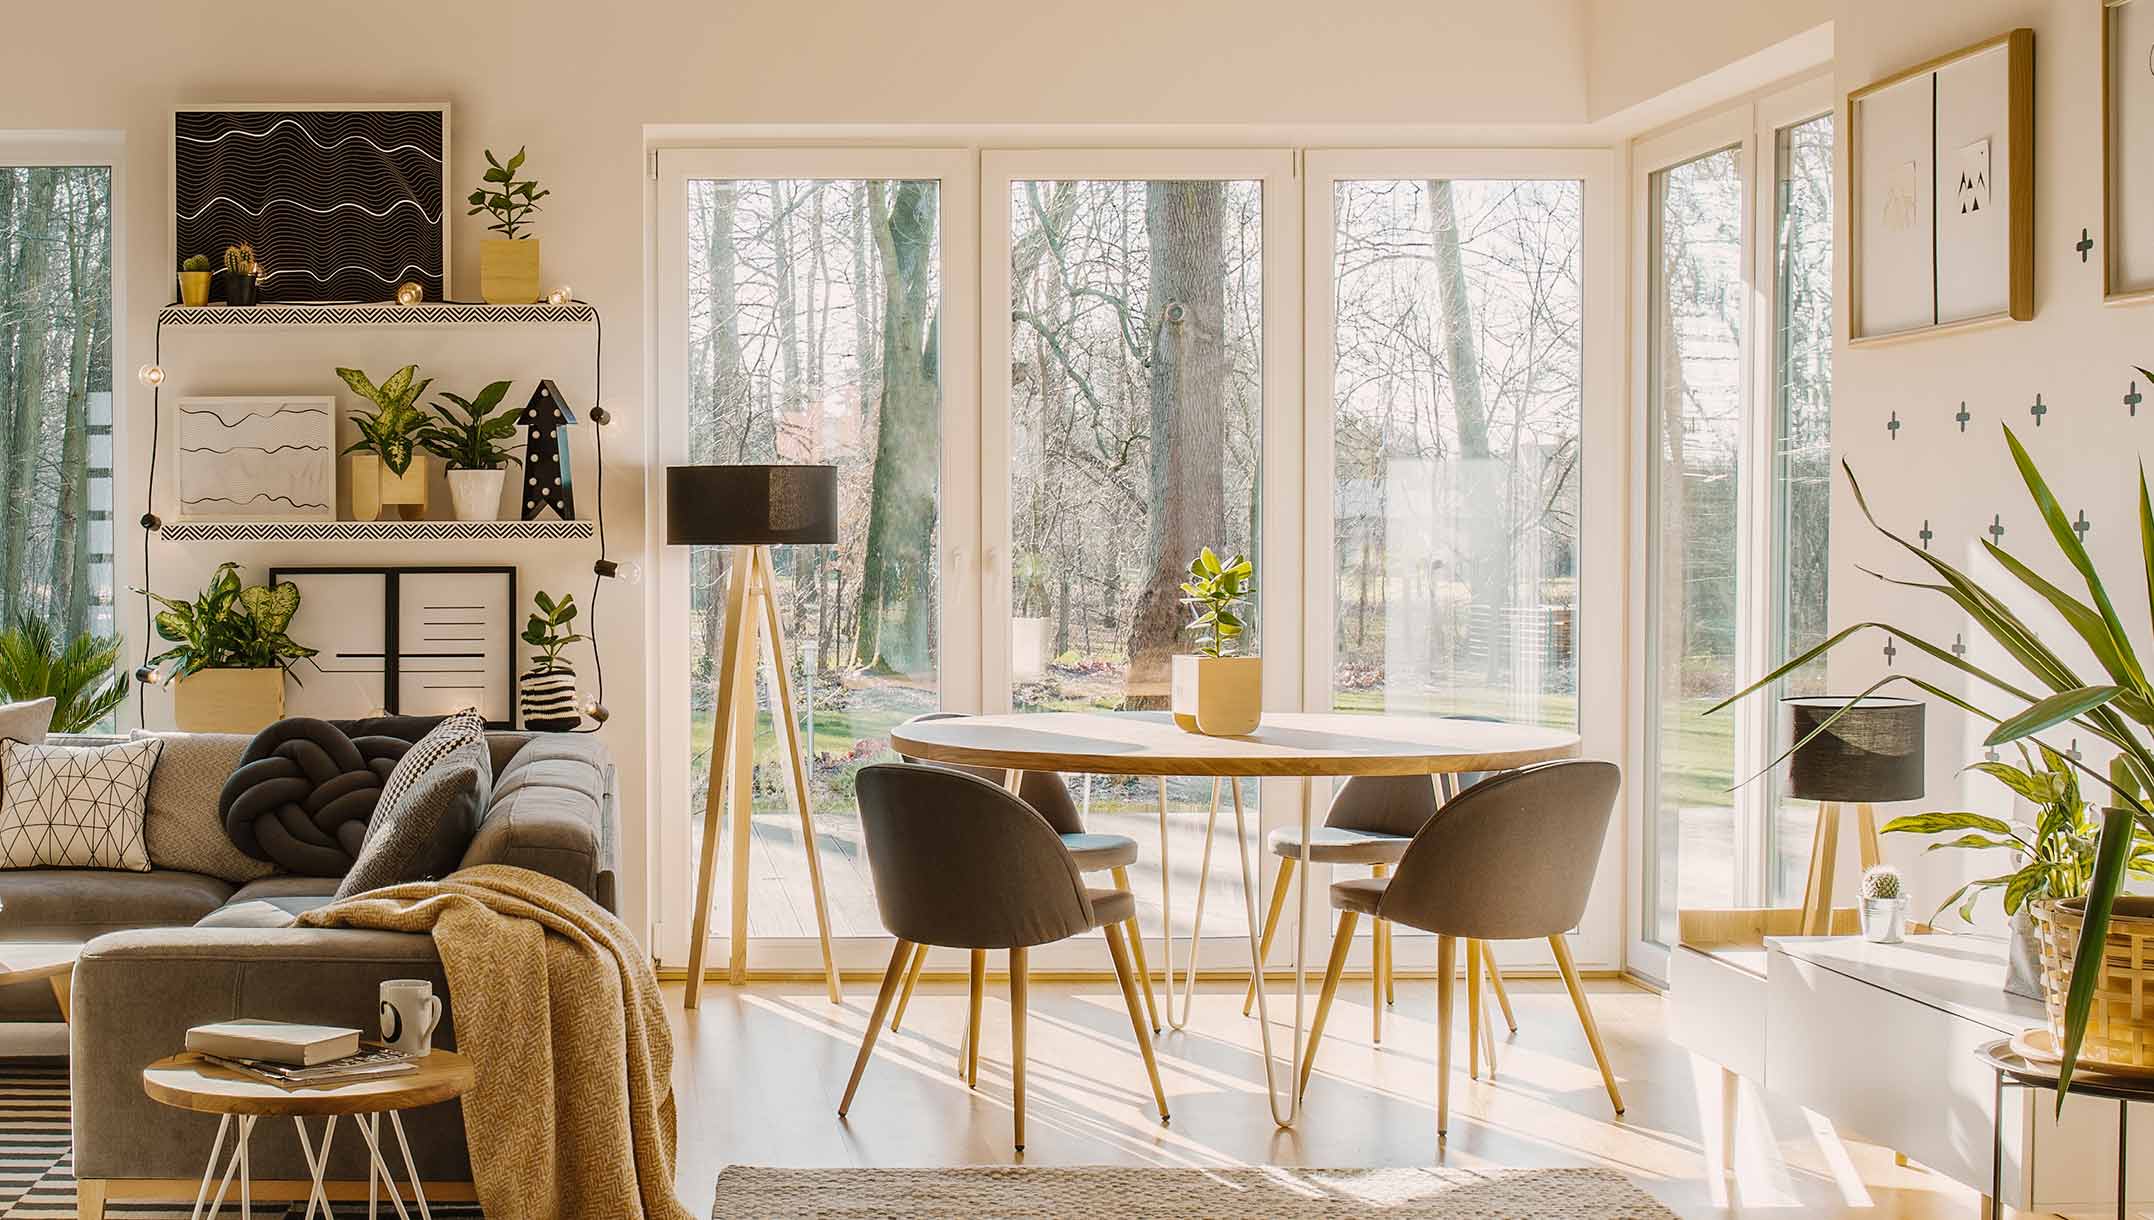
(296, 1056)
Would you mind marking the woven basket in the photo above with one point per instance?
(2120, 1022)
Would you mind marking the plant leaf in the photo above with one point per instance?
(1938, 823)
(2067, 539)
(2102, 890)
(2060, 707)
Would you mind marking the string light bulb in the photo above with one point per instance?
(627, 571)
(601, 416)
(593, 710)
(152, 522)
(409, 293)
(150, 675)
(564, 295)
(151, 375)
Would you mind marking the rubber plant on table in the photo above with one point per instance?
(2118, 711)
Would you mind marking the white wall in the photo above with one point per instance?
(580, 83)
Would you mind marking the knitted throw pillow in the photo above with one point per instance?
(429, 808)
(304, 792)
(75, 806)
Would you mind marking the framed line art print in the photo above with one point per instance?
(2127, 152)
(1941, 193)
(414, 641)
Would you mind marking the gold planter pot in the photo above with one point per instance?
(228, 700)
(194, 287)
(374, 487)
(509, 271)
(1218, 696)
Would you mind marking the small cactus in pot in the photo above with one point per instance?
(1884, 904)
(194, 277)
(242, 275)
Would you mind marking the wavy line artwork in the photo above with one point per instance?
(259, 458)
(339, 205)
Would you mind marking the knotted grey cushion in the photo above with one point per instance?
(304, 793)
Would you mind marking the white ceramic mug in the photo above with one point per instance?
(409, 1013)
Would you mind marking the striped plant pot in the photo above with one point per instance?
(548, 700)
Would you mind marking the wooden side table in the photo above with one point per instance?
(26, 961)
(190, 1082)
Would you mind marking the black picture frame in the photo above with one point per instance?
(391, 617)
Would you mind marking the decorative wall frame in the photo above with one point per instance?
(2127, 153)
(341, 201)
(417, 641)
(256, 458)
(1941, 193)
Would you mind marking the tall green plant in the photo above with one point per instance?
(82, 677)
(393, 430)
(2119, 711)
(228, 626)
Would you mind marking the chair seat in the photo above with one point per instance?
(1112, 906)
(1359, 895)
(1331, 845)
(1098, 853)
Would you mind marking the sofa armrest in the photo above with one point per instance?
(553, 811)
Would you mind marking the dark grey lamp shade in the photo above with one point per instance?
(751, 505)
(1873, 754)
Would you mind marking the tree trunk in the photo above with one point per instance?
(898, 560)
(27, 415)
(1481, 546)
(70, 569)
(1184, 226)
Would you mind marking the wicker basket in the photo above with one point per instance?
(2120, 1022)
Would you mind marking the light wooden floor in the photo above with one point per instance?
(759, 1071)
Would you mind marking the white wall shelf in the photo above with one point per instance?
(376, 531)
(389, 313)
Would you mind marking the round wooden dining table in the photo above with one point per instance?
(1285, 745)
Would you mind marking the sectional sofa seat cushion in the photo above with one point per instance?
(28, 721)
(305, 792)
(75, 806)
(80, 903)
(182, 825)
(430, 807)
(272, 902)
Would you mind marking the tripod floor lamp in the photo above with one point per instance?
(751, 509)
(1871, 755)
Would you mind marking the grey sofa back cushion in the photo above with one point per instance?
(548, 812)
(182, 826)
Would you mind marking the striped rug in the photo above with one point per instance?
(37, 1173)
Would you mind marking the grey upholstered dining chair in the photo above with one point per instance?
(960, 863)
(1512, 858)
(1049, 795)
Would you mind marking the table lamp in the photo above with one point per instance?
(751, 509)
(1871, 755)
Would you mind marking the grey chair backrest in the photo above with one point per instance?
(1512, 858)
(1396, 804)
(1045, 791)
(960, 863)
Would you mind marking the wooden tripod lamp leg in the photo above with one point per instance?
(782, 712)
(736, 593)
(1824, 853)
(742, 789)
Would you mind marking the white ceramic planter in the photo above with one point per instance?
(1218, 696)
(476, 494)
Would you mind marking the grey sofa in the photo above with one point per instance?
(174, 947)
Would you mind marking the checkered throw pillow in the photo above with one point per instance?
(429, 808)
(75, 806)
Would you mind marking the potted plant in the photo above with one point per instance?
(242, 274)
(1216, 692)
(547, 694)
(468, 440)
(1884, 905)
(508, 264)
(229, 653)
(194, 276)
(2117, 711)
(387, 467)
(82, 677)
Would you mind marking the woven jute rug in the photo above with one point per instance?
(1113, 1193)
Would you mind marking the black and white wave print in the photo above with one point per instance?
(338, 205)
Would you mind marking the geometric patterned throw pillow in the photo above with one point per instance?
(429, 808)
(75, 806)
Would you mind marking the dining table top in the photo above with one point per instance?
(1284, 744)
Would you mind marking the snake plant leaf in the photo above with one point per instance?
(2146, 525)
(1938, 823)
(2067, 539)
(2056, 709)
(2087, 962)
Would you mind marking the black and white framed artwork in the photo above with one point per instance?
(405, 641)
(341, 202)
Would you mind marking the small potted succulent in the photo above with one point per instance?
(1215, 691)
(547, 693)
(242, 275)
(508, 264)
(194, 277)
(1884, 905)
(387, 467)
(468, 440)
(230, 652)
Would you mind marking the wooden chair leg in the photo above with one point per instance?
(891, 978)
(1120, 956)
(1271, 929)
(912, 978)
(1340, 943)
(1473, 1009)
(1136, 949)
(1585, 1018)
(972, 1027)
(1391, 979)
(1503, 994)
(1376, 971)
(1020, 971)
(1446, 966)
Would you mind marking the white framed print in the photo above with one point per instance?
(2128, 153)
(256, 458)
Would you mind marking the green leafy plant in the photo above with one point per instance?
(551, 629)
(82, 677)
(2057, 853)
(240, 260)
(2118, 711)
(196, 262)
(229, 626)
(469, 437)
(509, 200)
(394, 429)
(1883, 881)
(1214, 592)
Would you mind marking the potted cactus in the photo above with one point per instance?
(1214, 691)
(469, 440)
(508, 264)
(194, 277)
(1884, 905)
(386, 465)
(242, 275)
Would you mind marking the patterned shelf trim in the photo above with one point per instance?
(433, 313)
(375, 531)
